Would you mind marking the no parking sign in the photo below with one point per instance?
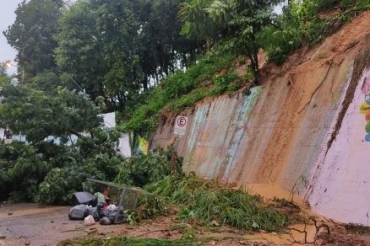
(180, 125)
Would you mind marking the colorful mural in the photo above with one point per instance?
(143, 146)
(365, 107)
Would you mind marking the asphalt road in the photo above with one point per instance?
(30, 224)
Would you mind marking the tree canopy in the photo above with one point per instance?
(118, 49)
(32, 34)
(44, 111)
(235, 23)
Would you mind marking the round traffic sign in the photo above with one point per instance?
(181, 121)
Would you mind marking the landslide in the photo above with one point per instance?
(348, 43)
(307, 78)
(303, 78)
(351, 42)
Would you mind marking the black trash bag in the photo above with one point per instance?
(101, 211)
(117, 216)
(94, 212)
(78, 212)
(105, 221)
(83, 197)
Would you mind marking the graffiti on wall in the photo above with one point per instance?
(365, 107)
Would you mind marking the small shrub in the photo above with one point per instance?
(144, 169)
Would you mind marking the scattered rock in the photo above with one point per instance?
(27, 243)
(52, 221)
(10, 213)
(2, 237)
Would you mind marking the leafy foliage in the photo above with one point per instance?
(116, 49)
(39, 114)
(181, 90)
(357, 228)
(49, 173)
(143, 169)
(209, 202)
(92, 158)
(32, 35)
(149, 206)
(22, 169)
(234, 23)
(302, 24)
(52, 165)
(4, 78)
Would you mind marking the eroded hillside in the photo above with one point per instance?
(302, 132)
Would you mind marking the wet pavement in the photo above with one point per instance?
(31, 224)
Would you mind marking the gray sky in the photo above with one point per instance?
(7, 18)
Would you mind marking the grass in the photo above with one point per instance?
(182, 89)
(123, 241)
(208, 202)
(357, 228)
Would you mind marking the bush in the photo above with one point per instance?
(22, 168)
(144, 169)
(49, 173)
(60, 183)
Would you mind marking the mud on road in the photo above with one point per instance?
(34, 225)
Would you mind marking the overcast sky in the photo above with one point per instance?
(7, 18)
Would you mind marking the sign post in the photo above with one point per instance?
(179, 129)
